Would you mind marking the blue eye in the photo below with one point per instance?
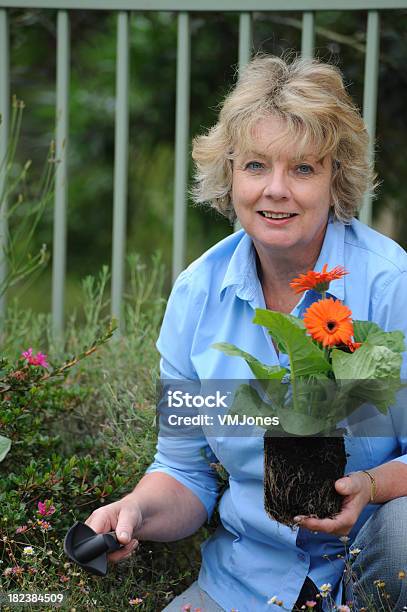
(305, 169)
(254, 165)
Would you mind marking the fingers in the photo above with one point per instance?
(353, 488)
(331, 526)
(124, 528)
(102, 520)
(347, 485)
(340, 525)
(123, 553)
(129, 520)
(355, 485)
(124, 518)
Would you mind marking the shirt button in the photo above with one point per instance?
(301, 556)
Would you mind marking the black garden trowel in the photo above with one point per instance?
(89, 549)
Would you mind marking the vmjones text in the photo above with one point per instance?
(223, 419)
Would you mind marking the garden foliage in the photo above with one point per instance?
(82, 434)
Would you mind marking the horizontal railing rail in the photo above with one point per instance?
(183, 8)
(209, 5)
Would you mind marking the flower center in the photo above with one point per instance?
(332, 326)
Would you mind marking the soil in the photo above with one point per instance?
(299, 476)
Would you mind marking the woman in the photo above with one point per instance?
(288, 159)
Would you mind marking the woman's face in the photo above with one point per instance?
(282, 202)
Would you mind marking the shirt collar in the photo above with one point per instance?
(242, 273)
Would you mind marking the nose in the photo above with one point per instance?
(276, 186)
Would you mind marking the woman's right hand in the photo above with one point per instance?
(125, 518)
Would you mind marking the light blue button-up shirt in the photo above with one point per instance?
(250, 557)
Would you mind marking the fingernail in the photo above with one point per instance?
(124, 535)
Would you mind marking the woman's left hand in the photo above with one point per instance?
(356, 491)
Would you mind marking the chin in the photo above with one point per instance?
(274, 242)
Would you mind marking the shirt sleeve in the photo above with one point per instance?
(389, 311)
(187, 456)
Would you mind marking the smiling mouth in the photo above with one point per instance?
(276, 215)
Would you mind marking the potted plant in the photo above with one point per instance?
(336, 365)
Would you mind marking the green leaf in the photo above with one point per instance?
(302, 424)
(367, 331)
(306, 358)
(315, 411)
(381, 392)
(267, 318)
(259, 369)
(248, 402)
(366, 362)
(5, 445)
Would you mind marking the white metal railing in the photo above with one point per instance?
(184, 8)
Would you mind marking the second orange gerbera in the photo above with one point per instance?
(329, 322)
(319, 281)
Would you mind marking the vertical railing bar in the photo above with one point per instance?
(4, 136)
(120, 166)
(245, 39)
(245, 51)
(181, 144)
(370, 98)
(61, 172)
(308, 34)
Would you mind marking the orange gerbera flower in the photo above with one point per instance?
(329, 322)
(353, 346)
(319, 281)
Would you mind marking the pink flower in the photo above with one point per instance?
(45, 508)
(135, 601)
(21, 529)
(310, 604)
(64, 578)
(27, 354)
(40, 359)
(17, 570)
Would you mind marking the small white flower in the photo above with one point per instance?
(344, 539)
(354, 551)
(325, 589)
(28, 550)
(272, 600)
(343, 609)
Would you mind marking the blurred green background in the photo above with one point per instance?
(340, 38)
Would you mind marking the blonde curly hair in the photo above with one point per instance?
(310, 98)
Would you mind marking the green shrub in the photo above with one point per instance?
(82, 434)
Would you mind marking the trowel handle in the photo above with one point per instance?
(96, 545)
